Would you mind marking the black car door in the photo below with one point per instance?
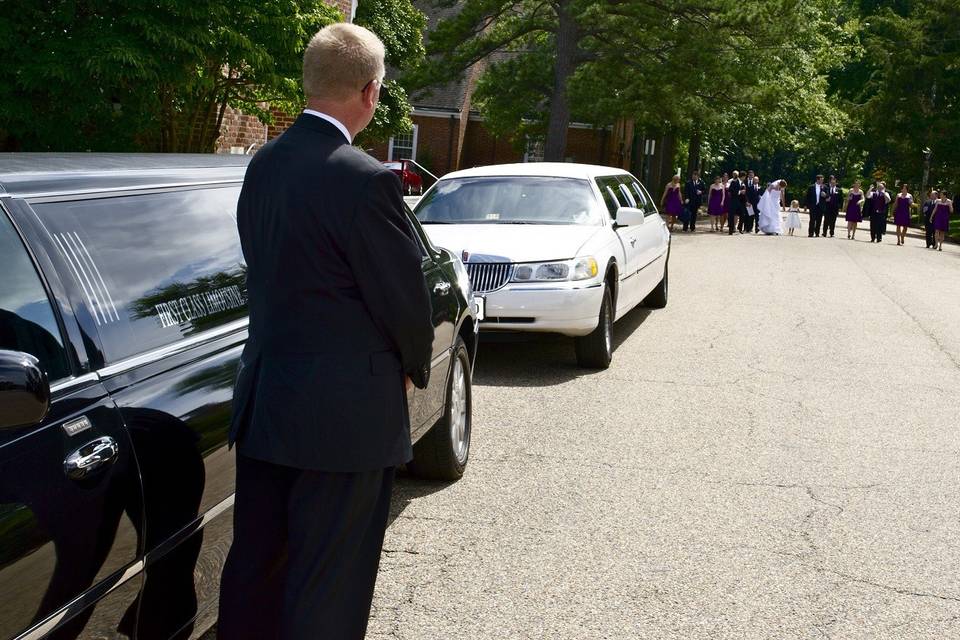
(427, 404)
(167, 297)
(71, 508)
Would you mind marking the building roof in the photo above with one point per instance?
(38, 174)
(451, 96)
(542, 169)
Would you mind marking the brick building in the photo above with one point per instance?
(449, 134)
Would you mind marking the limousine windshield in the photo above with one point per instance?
(510, 200)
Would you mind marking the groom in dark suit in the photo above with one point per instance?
(692, 199)
(340, 327)
(832, 209)
(816, 205)
(736, 209)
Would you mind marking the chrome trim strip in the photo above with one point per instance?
(525, 288)
(77, 605)
(217, 510)
(64, 385)
(160, 353)
(93, 194)
(440, 358)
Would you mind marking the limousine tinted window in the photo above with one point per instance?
(27, 322)
(152, 268)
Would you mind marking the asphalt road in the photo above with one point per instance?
(774, 455)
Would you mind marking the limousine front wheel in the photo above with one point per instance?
(443, 452)
(595, 350)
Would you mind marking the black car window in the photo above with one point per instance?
(153, 268)
(612, 196)
(27, 321)
(649, 207)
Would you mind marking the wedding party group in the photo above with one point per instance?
(746, 206)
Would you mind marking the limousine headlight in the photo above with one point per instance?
(578, 269)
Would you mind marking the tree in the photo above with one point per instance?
(119, 75)
(400, 26)
(116, 75)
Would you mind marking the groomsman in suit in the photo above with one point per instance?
(754, 193)
(878, 200)
(834, 201)
(816, 204)
(749, 191)
(692, 199)
(736, 211)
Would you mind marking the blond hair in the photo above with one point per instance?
(340, 59)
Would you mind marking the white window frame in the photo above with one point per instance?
(413, 151)
(526, 152)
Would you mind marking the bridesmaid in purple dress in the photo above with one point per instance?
(715, 203)
(726, 199)
(901, 214)
(854, 214)
(941, 218)
(672, 201)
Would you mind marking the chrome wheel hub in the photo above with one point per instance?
(459, 436)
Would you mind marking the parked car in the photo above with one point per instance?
(122, 317)
(407, 171)
(553, 247)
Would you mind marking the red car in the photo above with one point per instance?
(411, 180)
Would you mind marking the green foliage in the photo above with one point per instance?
(115, 75)
(118, 75)
(400, 26)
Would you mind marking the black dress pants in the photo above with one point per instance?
(816, 219)
(830, 222)
(691, 222)
(878, 224)
(929, 232)
(305, 554)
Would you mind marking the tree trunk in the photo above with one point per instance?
(693, 157)
(555, 146)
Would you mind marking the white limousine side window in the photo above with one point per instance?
(152, 268)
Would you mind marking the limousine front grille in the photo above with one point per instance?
(489, 276)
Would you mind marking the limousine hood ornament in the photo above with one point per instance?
(465, 256)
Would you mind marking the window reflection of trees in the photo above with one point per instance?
(146, 305)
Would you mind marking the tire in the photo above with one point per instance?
(657, 299)
(443, 453)
(595, 350)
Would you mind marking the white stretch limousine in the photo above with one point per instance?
(553, 247)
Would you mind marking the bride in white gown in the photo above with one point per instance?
(769, 207)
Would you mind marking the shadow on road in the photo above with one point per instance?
(538, 360)
(408, 488)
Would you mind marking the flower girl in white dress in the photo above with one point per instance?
(793, 217)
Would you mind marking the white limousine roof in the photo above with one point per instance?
(549, 169)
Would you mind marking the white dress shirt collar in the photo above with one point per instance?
(333, 121)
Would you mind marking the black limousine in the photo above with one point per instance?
(122, 318)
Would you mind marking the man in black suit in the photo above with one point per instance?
(340, 327)
(752, 192)
(692, 199)
(736, 210)
(832, 209)
(816, 204)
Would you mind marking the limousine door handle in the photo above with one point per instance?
(91, 458)
(441, 287)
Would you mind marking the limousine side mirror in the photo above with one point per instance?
(24, 390)
(629, 216)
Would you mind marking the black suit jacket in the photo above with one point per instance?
(339, 309)
(812, 203)
(753, 194)
(834, 201)
(690, 196)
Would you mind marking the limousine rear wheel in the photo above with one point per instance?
(595, 350)
(657, 299)
(443, 452)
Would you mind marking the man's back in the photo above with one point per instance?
(334, 320)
